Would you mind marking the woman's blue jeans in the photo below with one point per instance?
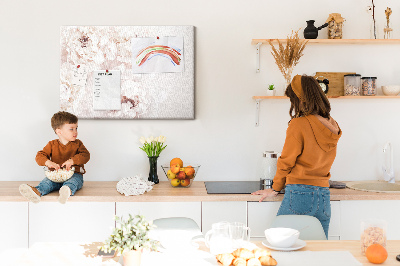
(308, 200)
(74, 183)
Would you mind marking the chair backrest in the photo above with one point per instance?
(178, 223)
(310, 227)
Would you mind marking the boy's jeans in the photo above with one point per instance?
(74, 183)
(308, 200)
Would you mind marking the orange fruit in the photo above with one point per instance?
(176, 161)
(376, 254)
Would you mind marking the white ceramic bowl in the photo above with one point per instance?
(282, 237)
(391, 90)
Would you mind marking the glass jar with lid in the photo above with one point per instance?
(352, 85)
(270, 158)
(368, 86)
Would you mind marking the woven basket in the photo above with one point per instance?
(60, 175)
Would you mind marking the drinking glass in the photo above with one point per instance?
(239, 232)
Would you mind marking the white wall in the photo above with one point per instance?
(222, 138)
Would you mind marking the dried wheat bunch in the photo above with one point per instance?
(287, 57)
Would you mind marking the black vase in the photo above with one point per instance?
(311, 32)
(153, 177)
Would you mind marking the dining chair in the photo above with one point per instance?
(310, 227)
(182, 223)
(178, 223)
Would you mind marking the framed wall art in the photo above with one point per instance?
(127, 72)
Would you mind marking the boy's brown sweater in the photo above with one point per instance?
(57, 152)
(307, 155)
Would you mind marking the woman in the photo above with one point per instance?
(308, 153)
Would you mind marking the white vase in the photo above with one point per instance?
(131, 258)
(270, 92)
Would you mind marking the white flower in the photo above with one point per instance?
(156, 139)
(148, 140)
(151, 138)
(142, 140)
(161, 138)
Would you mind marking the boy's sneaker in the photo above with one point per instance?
(65, 192)
(30, 193)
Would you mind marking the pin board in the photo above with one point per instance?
(127, 72)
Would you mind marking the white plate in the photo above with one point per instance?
(298, 245)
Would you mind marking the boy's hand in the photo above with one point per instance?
(68, 164)
(52, 165)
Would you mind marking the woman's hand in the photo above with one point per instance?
(269, 192)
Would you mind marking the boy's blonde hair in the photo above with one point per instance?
(62, 118)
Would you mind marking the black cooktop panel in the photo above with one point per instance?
(232, 187)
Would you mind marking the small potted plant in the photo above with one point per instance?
(129, 238)
(271, 90)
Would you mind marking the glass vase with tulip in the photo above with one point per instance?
(153, 147)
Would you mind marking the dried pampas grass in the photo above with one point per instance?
(287, 57)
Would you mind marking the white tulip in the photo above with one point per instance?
(148, 140)
(156, 139)
(142, 140)
(151, 138)
(162, 139)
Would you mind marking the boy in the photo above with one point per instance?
(66, 151)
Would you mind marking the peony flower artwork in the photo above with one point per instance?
(156, 66)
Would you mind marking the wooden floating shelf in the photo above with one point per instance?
(331, 97)
(332, 41)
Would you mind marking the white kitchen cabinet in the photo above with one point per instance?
(13, 225)
(72, 222)
(218, 211)
(155, 210)
(355, 211)
(261, 215)
(334, 225)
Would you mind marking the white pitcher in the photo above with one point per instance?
(218, 239)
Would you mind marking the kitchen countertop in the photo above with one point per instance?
(105, 191)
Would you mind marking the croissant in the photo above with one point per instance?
(239, 262)
(267, 261)
(226, 258)
(258, 252)
(253, 262)
(243, 253)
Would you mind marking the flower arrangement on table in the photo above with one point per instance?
(153, 147)
(130, 235)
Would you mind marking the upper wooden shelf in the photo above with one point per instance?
(341, 97)
(333, 41)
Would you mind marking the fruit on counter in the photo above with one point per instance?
(189, 170)
(176, 161)
(181, 175)
(185, 182)
(170, 175)
(175, 168)
(175, 182)
(376, 253)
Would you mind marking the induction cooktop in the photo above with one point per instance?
(233, 187)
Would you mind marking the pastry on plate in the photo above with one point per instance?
(225, 259)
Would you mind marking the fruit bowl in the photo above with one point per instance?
(182, 177)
